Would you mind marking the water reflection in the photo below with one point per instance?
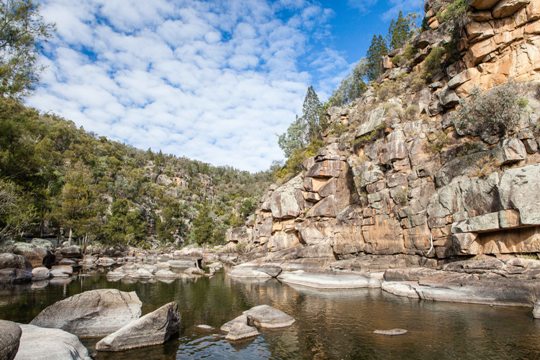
(332, 324)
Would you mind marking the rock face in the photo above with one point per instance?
(10, 335)
(92, 313)
(152, 329)
(44, 344)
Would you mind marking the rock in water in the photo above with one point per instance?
(239, 331)
(46, 344)
(536, 310)
(391, 332)
(268, 317)
(40, 273)
(92, 313)
(10, 336)
(151, 329)
(242, 319)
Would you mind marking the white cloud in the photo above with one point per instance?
(214, 81)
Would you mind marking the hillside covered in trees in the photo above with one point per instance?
(55, 176)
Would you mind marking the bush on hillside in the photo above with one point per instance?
(495, 113)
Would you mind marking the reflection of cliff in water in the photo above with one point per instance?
(335, 324)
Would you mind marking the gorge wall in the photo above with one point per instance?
(400, 176)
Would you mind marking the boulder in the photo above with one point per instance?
(242, 319)
(330, 280)
(105, 261)
(10, 336)
(166, 274)
(240, 331)
(71, 251)
(536, 310)
(508, 7)
(34, 254)
(91, 313)
(266, 316)
(40, 273)
(483, 4)
(15, 276)
(43, 243)
(152, 329)
(193, 271)
(61, 271)
(12, 261)
(252, 272)
(45, 344)
(182, 264)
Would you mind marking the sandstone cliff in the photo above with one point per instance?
(402, 176)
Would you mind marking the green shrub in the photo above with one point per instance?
(493, 113)
(453, 12)
(433, 64)
(295, 161)
(438, 143)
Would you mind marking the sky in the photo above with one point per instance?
(215, 81)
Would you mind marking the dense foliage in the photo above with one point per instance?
(54, 176)
(21, 30)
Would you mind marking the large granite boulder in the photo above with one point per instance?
(39, 343)
(92, 313)
(40, 273)
(15, 276)
(71, 251)
(241, 331)
(12, 261)
(33, 253)
(152, 329)
(266, 316)
(10, 336)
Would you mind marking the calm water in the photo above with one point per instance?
(330, 325)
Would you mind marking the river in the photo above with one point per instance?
(330, 324)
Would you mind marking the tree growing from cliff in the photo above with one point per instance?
(399, 31)
(351, 87)
(21, 30)
(305, 128)
(376, 51)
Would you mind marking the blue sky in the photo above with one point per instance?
(215, 81)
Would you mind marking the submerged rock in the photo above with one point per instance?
(266, 316)
(391, 332)
(39, 343)
(92, 313)
(240, 331)
(152, 329)
(10, 335)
